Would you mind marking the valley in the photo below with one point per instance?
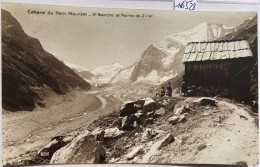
(25, 132)
(54, 109)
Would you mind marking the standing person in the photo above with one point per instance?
(162, 92)
(184, 88)
(169, 90)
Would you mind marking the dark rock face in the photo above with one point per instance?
(128, 123)
(150, 60)
(27, 68)
(131, 107)
(206, 101)
(148, 121)
(127, 109)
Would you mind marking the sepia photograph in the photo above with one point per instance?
(85, 85)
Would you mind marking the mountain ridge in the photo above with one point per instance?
(27, 69)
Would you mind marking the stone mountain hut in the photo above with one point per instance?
(217, 67)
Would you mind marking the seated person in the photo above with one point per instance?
(162, 92)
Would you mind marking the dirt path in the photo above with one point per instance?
(225, 134)
(236, 141)
(26, 132)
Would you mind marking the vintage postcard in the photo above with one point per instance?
(96, 85)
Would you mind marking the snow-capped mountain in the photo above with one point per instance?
(75, 66)
(97, 76)
(162, 61)
(123, 76)
(155, 66)
(170, 50)
(104, 74)
(202, 32)
(83, 72)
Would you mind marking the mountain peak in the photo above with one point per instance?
(117, 64)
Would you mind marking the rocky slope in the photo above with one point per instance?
(28, 70)
(164, 130)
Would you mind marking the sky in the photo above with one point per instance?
(93, 41)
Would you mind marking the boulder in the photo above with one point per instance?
(135, 124)
(165, 141)
(134, 152)
(201, 146)
(141, 101)
(83, 149)
(154, 148)
(173, 120)
(150, 105)
(150, 114)
(141, 117)
(182, 117)
(113, 133)
(131, 107)
(165, 102)
(138, 106)
(149, 134)
(181, 110)
(47, 151)
(57, 142)
(101, 136)
(132, 118)
(205, 101)
(140, 111)
(148, 121)
(159, 113)
(125, 123)
(107, 133)
(128, 108)
(116, 123)
(128, 122)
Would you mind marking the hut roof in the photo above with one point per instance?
(216, 50)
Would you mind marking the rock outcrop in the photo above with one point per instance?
(58, 142)
(150, 105)
(83, 149)
(204, 101)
